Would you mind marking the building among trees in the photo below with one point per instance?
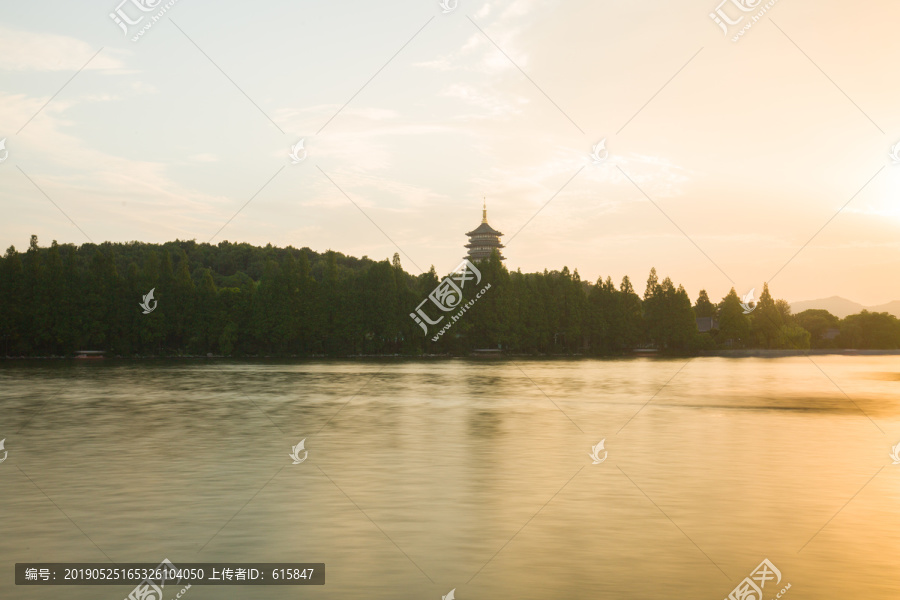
(483, 240)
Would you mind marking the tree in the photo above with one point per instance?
(266, 304)
(734, 326)
(630, 308)
(668, 314)
(794, 337)
(487, 322)
(654, 309)
(652, 284)
(703, 307)
(684, 321)
(238, 299)
(151, 327)
(767, 321)
(183, 303)
(603, 313)
(12, 315)
(868, 330)
(207, 322)
(818, 322)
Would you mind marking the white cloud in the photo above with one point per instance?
(89, 183)
(35, 51)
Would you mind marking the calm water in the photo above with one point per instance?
(474, 475)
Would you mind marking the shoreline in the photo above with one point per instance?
(743, 353)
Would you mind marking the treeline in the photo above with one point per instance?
(240, 300)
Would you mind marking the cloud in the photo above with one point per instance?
(478, 54)
(33, 51)
(90, 184)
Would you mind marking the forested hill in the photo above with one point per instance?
(239, 300)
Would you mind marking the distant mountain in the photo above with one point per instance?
(890, 307)
(841, 307)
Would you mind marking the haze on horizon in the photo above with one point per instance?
(744, 150)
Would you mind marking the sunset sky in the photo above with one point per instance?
(745, 150)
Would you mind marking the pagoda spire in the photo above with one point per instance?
(484, 210)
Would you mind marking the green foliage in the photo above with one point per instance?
(794, 337)
(668, 313)
(766, 322)
(734, 326)
(702, 342)
(869, 330)
(818, 322)
(704, 307)
(240, 300)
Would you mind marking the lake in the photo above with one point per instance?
(428, 476)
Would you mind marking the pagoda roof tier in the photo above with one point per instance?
(483, 243)
(483, 255)
(484, 228)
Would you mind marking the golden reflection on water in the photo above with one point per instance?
(474, 475)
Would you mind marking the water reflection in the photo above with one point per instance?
(474, 475)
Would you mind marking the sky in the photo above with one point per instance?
(729, 164)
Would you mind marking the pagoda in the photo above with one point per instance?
(483, 240)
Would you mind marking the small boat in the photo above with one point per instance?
(90, 354)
